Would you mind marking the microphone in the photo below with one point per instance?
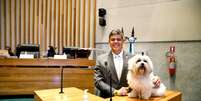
(110, 77)
(133, 33)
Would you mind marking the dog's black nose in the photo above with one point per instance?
(142, 65)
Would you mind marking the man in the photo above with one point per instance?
(51, 51)
(114, 64)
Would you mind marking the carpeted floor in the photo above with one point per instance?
(17, 99)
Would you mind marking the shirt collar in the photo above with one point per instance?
(118, 55)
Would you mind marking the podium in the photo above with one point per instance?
(70, 94)
(169, 96)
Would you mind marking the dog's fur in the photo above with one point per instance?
(140, 78)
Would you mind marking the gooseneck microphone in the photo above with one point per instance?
(110, 77)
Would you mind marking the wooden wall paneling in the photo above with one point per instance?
(36, 21)
(44, 23)
(94, 24)
(61, 25)
(89, 24)
(74, 22)
(31, 21)
(18, 24)
(78, 23)
(22, 15)
(68, 23)
(53, 23)
(65, 8)
(91, 44)
(8, 23)
(83, 23)
(48, 22)
(30, 79)
(86, 24)
(3, 16)
(70, 27)
(27, 7)
(40, 24)
(13, 24)
(58, 23)
(54, 34)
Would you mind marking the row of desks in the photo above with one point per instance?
(23, 76)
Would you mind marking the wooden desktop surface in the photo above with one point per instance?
(23, 76)
(75, 94)
(70, 94)
(47, 62)
(169, 96)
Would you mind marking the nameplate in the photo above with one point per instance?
(60, 57)
(26, 56)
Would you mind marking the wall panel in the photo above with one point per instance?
(13, 28)
(17, 20)
(8, 22)
(60, 23)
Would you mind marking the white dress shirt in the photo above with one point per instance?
(118, 62)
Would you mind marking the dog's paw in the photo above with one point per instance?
(159, 91)
(132, 94)
(145, 97)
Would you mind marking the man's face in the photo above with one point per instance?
(116, 43)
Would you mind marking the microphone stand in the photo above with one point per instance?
(110, 87)
(61, 89)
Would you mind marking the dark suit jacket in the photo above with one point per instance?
(103, 72)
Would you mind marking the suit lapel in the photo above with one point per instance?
(125, 67)
(112, 67)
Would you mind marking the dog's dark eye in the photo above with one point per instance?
(138, 60)
(145, 61)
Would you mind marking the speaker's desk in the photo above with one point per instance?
(70, 94)
(23, 76)
(169, 96)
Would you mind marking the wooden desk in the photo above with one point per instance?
(70, 94)
(169, 96)
(23, 76)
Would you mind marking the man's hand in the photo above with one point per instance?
(156, 81)
(121, 92)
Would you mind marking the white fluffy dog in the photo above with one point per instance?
(140, 78)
